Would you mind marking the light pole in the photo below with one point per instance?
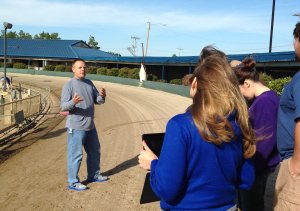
(6, 26)
(147, 38)
(148, 30)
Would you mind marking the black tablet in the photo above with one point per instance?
(148, 195)
(154, 141)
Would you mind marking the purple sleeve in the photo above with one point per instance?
(264, 120)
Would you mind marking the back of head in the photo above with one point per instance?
(234, 63)
(211, 51)
(246, 70)
(296, 32)
(218, 96)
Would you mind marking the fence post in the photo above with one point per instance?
(2, 100)
(7, 114)
(20, 91)
(2, 107)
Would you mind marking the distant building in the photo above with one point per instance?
(38, 53)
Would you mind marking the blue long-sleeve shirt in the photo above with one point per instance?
(81, 115)
(193, 174)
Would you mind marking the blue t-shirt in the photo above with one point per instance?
(194, 174)
(289, 111)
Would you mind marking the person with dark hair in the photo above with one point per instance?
(206, 150)
(187, 79)
(206, 52)
(78, 97)
(287, 191)
(211, 51)
(296, 34)
(263, 117)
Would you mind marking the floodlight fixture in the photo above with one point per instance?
(7, 25)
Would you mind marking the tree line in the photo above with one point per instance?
(49, 36)
(44, 35)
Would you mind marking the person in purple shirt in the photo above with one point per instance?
(206, 150)
(263, 117)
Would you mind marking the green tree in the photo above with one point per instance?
(9, 35)
(93, 43)
(24, 35)
(47, 36)
(113, 53)
(54, 36)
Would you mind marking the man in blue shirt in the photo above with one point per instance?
(287, 191)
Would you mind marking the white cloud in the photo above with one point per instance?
(63, 14)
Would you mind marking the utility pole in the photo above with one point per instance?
(179, 50)
(134, 43)
(272, 23)
(148, 30)
(147, 39)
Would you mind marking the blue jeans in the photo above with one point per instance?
(89, 140)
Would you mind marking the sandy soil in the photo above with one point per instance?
(35, 178)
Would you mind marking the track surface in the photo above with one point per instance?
(35, 178)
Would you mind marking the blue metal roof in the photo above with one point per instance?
(71, 49)
(259, 57)
(61, 49)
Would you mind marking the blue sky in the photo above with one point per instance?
(233, 26)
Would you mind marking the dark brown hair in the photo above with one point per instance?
(210, 51)
(296, 32)
(187, 79)
(246, 70)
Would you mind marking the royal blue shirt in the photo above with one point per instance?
(289, 111)
(193, 174)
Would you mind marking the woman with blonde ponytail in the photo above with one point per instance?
(206, 150)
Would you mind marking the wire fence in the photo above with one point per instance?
(16, 112)
(20, 112)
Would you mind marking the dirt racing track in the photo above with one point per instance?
(34, 177)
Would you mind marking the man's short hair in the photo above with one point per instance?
(76, 60)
